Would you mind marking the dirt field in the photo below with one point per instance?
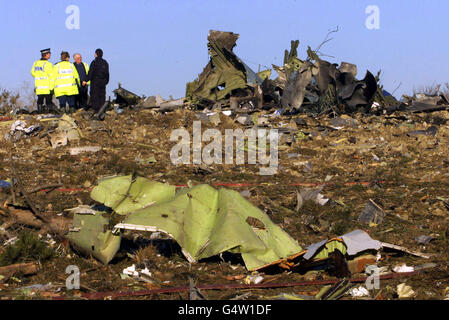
(377, 158)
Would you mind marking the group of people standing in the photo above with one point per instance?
(69, 82)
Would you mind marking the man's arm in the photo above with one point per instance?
(107, 73)
(32, 70)
(90, 73)
(54, 75)
(77, 76)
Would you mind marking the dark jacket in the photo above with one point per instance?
(81, 71)
(98, 72)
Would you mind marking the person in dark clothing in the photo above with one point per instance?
(99, 77)
(83, 70)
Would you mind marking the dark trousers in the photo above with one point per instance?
(63, 100)
(44, 97)
(97, 95)
(82, 97)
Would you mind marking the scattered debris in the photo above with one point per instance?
(334, 292)
(403, 268)
(359, 292)
(256, 279)
(359, 264)
(372, 213)
(20, 129)
(142, 274)
(66, 131)
(404, 291)
(399, 248)
(23, 268)
(310, 194)
(194, 292)
(78, 150)
(124, 97)
(423, 239)
(431, 131)
(5, 184)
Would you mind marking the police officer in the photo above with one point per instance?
(83, 70)
(65, 81)
(41, 71)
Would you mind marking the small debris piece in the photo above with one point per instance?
(405, 291)
(431, 131)
(403, 268)
(194, 292)
(91, 149)
(255, 279)
(372, 213)
(359, 264)
(399, 248)
(359, 292)
(24, 268)
(423, 239)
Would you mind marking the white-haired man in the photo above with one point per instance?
(83, 71)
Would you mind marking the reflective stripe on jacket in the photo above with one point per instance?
(65, 79)
(42, 71)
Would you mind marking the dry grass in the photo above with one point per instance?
(432, 90)
(21, 98)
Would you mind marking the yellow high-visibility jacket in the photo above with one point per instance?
(86, 67)
(42, 71)
(65, 79)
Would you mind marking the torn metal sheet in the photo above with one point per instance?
(313, 248)
(351, 243)
(295, 89)
(350, 68)
(224, 73)
(358, 241)
(425, 107)
(90, 236)
(206, 222)
(403, 249)
(125, 97)
(124, 194)
(318, 84)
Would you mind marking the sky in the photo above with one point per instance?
(156, 47)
